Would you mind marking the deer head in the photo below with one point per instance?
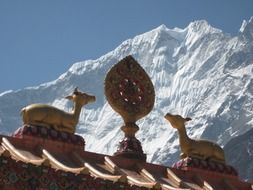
(81, 97)
(176, 121)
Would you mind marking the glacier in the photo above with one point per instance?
(199, 72)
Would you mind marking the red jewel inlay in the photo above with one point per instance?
(130, 91)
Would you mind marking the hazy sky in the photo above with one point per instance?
(41, 39)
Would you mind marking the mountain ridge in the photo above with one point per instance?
(197, 71)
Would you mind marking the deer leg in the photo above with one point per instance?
(198, 156)
(222, 161)
(40, 124)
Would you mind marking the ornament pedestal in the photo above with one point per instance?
(130, 93)
(130, 146)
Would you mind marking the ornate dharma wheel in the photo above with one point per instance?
(130, 92)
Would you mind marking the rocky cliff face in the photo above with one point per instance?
(239, 152)
(198, 72)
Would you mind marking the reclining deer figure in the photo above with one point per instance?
(52, 117)
(201, 149)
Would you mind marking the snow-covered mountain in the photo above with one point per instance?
(240, 154)
(198, 72)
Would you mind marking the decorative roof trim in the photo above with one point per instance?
(173, 177)
(202, 183)
(19, 155)
(134, 181)
(4, 152)
(110, 164)
(96, 173)
(54, 162)
(148, 175)
(133, 173)
(167, 187)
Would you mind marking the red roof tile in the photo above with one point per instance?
(60, 160)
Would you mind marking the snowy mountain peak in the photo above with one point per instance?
(161, 28)
(244, 24)
(196, 71)
(202, 26)
(247, 29)
(197, 30)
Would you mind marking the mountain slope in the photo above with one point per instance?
(197, 71)
(240, 154)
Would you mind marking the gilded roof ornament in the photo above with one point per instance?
(129, 90)
(196, 148)
(130, 93)
(51, 117)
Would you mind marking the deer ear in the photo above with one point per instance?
(188, 119)
(76, 90)
(69, 97)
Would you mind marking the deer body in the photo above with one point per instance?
(52, 117)
(202, 149)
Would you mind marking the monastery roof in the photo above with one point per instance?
(63, 154)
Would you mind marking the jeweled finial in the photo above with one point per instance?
(130, 92)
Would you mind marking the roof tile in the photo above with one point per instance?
(59, 160)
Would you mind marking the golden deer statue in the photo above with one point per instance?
(201, 149)
(52, 117)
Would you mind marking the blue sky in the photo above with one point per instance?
(39, 40)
